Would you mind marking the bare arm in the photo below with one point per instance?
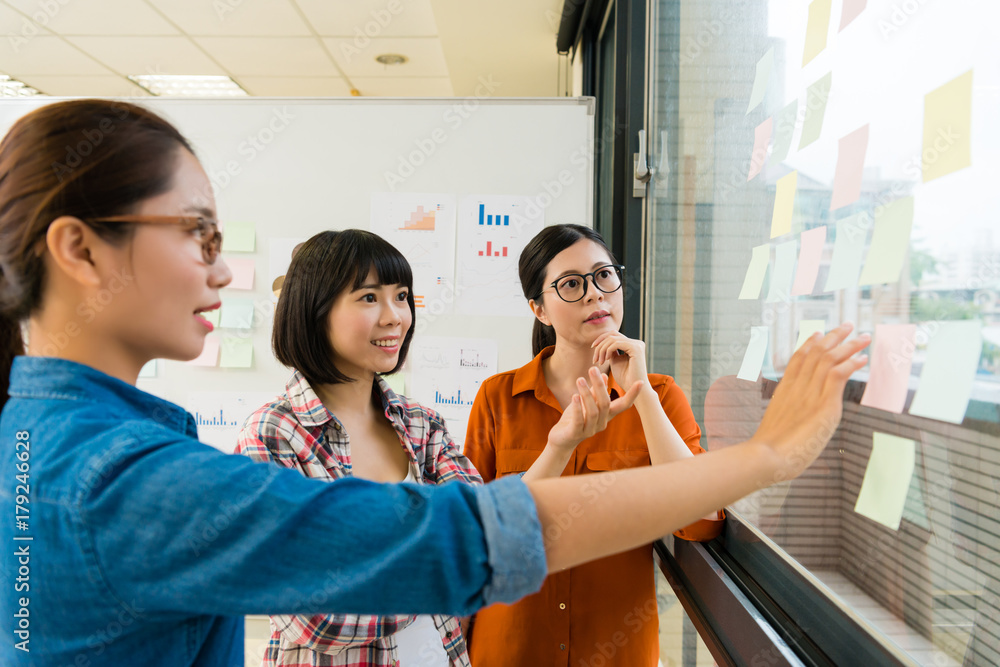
(616, 511)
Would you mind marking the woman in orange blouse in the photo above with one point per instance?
(603, 612)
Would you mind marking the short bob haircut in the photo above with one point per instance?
(324, 267)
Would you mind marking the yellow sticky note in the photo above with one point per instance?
(236, 352)
(756, 271)
(948, 128)
(890, 241)
(242, 269)
(212, 316)
(209, 354)
(887, 479)
(784, 204)
(238, 236)
(816, 29)
(808, 328)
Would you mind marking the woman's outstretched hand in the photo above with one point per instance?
(589, 411)
(807, 404)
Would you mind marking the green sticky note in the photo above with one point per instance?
(754, 279)
(761, 80)
(236, 313)
(783, 271)
(212, 316)
(817, 96)
(784, 204)
(236, 352)
(396, 382)
(949, 370)
(887, 479)
(808, 328)
(848, 248)
(890, 241)
(783, 129)
(238, 236)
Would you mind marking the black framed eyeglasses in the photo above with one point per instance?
(211, 237)
(573, 286)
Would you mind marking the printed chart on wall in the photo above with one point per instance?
(422, 227)
(220, 414)
(445, 374)
(492, 231)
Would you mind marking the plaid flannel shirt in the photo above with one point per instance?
(297, 431)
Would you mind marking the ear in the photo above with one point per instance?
(71, 245)
(539, 310)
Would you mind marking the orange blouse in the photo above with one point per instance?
(603, 609)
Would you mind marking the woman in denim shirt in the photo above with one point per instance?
(128, 542)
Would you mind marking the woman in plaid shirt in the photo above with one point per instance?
(345, 317)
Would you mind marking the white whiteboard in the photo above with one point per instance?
(298, 166)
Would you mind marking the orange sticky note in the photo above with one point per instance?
(761, 138)
(209, 354)
(891, 360)
(810, 254)
(850, 168)
(243, 270)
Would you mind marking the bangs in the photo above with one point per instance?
(388, 264)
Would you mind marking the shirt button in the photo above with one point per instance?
(562, 605)
(448, 634)
(562, 647)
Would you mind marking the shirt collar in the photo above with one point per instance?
(61, 379)
(531, 377)
(310, 411)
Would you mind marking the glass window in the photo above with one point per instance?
(862, 118)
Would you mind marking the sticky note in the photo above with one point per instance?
(212, 316)
(761, 138)
(209, 354)
(148, 370)
(887, 479)
(949, 370)
(238, 236)
(753, 358)
(808, 328)
(850, 12)
(236, 352)
(948, 128)
(754, 278)
(237, 313)
(761, 80)
(890, 241)
(784, 269)
(850, 168)
(816, 29)
(810, 255)
(891, 360)
(784, 204)
(783, 129)
(817, 95)
(396, 382)
(243, 270)
(848, 249)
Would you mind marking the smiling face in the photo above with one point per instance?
(579, 323)
(367, 327)
(154, 286)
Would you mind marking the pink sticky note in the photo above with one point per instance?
(761, 138)
(850, 168)
(810, 253)
(891, 359)
(209, 354)
(242, 268)
(850, 12)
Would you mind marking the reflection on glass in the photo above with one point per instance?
(932, 587)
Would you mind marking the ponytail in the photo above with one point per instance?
(542, 335)
(11, 345)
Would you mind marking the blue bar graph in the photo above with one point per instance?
(450, 400)
(492, 220)
(219, 420)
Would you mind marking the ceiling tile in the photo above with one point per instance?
(19, 27)
(148, 55)
(385, 86)
(270, 56)
(46, 55)
(234, 17)
(86, 86)
(370, 18)
(425, 57)
(295, 86)
(97, 17)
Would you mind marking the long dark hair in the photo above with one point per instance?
(322, 268)
(81, 158)
(534, 263)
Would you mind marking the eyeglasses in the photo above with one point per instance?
(573, 286)
(211, 237)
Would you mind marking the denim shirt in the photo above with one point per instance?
(138, 545)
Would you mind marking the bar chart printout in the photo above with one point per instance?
(492, 252)
(493, 219)
(219, 415)
(419, 219)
